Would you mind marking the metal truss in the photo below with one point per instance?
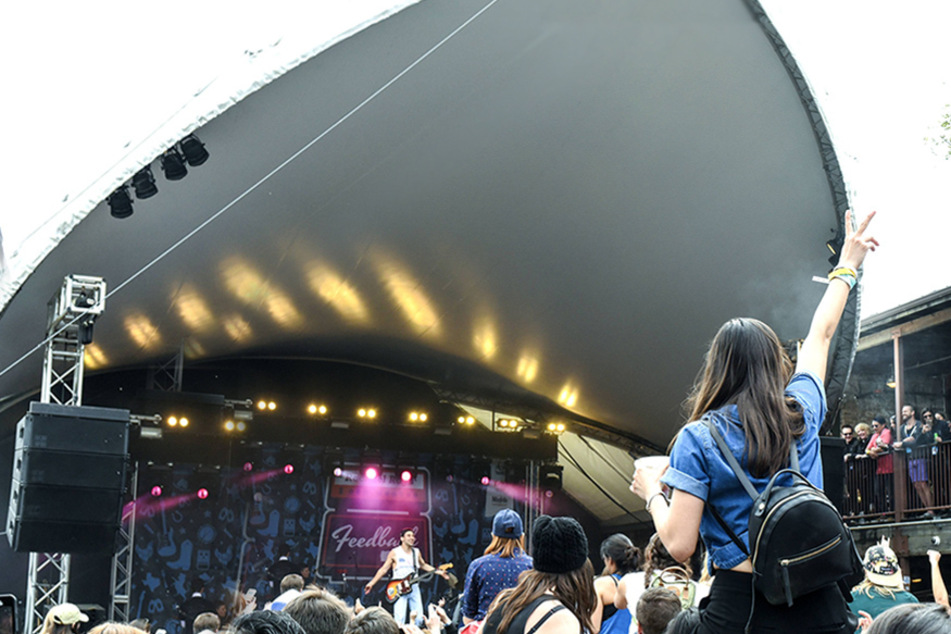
(122, 560)
(70, 318)
(167, 376)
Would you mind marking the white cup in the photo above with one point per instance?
(652, 462)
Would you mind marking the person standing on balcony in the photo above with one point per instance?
(879, 448)
(915, 442)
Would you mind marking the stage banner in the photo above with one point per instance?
(356, 544)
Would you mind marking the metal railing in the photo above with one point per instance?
(916, 485)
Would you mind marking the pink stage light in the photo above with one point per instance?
(288, 469)
(156, 491)
(248, 466)
(371, 473)
(406, 476)
(202, 493)
(338, 472)
(485, 480)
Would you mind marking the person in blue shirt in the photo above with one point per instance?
(504, 560)
(761, 408)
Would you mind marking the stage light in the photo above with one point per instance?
(173, 164)
(143, 182)
(241, 425)
(248, 466)
(120, 204)
(371, 413)
(362, 413)
(194, 150)
(202, 493)
(311, 409)
(156, 491)
(183, 422)
(271, 405)
(262, 405)
(172, 421)
(423, 417)
(414, 416)
(229, 425)
(322, 409)
(338, 472)
(485, 480)
(371, 473)
(288, 468)
(406, 475)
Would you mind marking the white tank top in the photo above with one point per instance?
(405, 563)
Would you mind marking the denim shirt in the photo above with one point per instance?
(697, 467)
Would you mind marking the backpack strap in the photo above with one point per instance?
(731, 459)
(545, 617)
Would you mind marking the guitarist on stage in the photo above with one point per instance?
(405, 561)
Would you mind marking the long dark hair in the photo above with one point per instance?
(657, 558)
(625, 555)
(574, 589)
(747, 366)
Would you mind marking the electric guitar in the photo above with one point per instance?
(400, 587)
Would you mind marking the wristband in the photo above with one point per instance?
(651, 499)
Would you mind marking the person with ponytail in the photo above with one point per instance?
(620, 557)
(763, 409)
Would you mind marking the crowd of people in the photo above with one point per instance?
(753, 416)
(870, 465)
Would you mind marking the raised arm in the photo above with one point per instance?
(815, 348)
(938, 588)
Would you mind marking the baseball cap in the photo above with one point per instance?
(67, 614)
(881, 566)
(507, 523)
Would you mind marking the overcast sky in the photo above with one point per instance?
(86, 77)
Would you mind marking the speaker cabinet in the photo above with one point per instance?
(832, 450)
(69, 471)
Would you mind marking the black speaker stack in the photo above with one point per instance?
(69, 479)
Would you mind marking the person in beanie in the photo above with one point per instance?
(882, 587)
(498, 568)
(557, 594)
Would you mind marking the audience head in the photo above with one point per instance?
(63, 618)
(619, 550)
(863, 431)
(881, 566)
(373, 621)
(508, 534)
(878, 424)
(111, 627)
(655, 609)
(912, 618)
(658, 558)
(266, 622)
(319, 612)
(292, 581)
(206, 621)
(141, 624)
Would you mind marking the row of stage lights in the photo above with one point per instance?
(238, 422)
(190, 150)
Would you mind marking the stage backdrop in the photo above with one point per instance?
(338, 528)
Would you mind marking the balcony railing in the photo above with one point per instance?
(917, 484)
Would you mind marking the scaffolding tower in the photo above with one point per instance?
(72, 312)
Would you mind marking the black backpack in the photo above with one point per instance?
(799, 541)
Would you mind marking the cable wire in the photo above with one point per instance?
(263, 179)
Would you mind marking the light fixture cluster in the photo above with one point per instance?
(177, 421)
(269, 406)
(466, 420)
(418, 417)
(314, 409)
(366, 413)
(555, 428)
(508, 424)
(231, 425)
(190, 151)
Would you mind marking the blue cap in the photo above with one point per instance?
(508, 524)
